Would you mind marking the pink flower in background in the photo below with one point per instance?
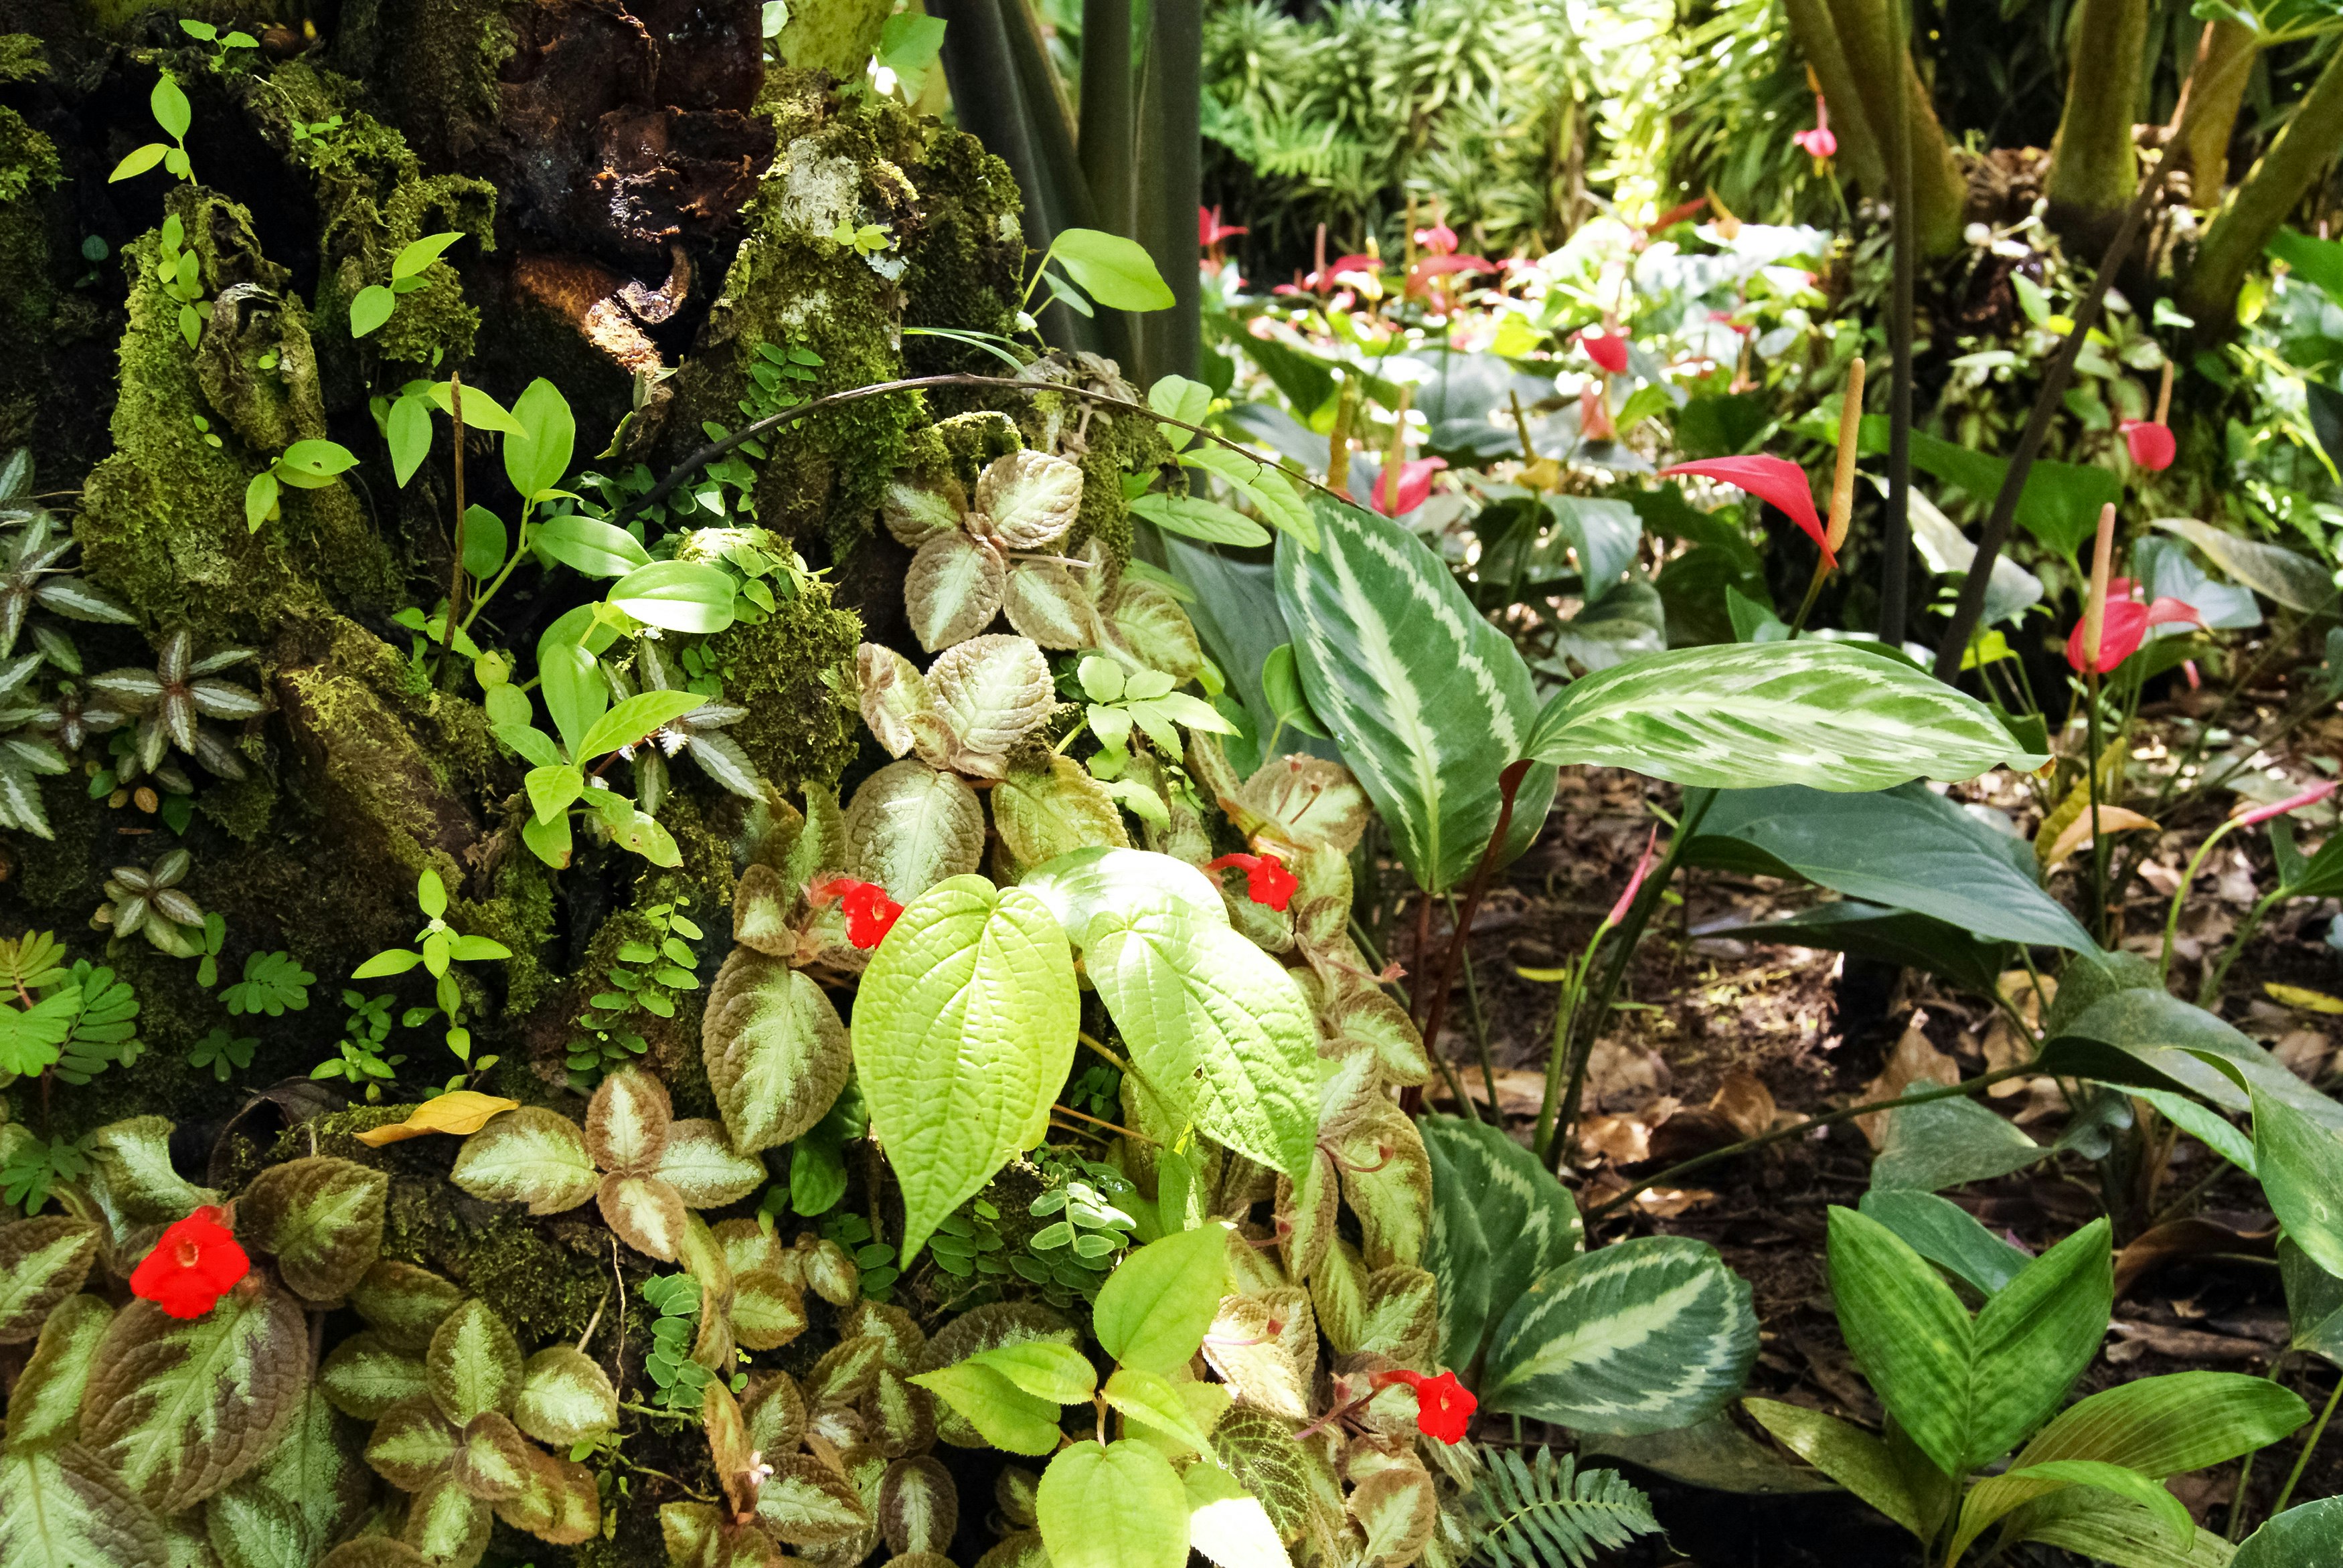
(1414, 484)
(1606, 348)
(1774, 479)
(2310, 797)
(1211, 232)
(1594, 421)
(1818, 143)
(2149, 443)
(1438, 239)
(1420, 277)
(2122, 627)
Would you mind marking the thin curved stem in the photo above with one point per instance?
(2188, 878)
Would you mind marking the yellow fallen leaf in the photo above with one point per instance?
(459, 1111)
(2077, 833)
(2302, 997)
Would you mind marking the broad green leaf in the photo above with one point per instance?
(910, 826)
(485, 540)
(1116, 272)
(1992, 1499)
(1746, 715)
(1148, 1398)
(677, 596)
(1120, 1506)
(2301, 1168)
(1948, 1143)
(179, 1408)
(2311, 1532)
(1217, 1029)
(417, 254)
(43, 1261)
(1897, 937)
(45, 1407)
(588, 546)
(1006, 1415)
(634, 718)
(1153, 1310)
(963, 1031)
(61, 1507)
(1044, 1369)
(2293, 579)
(1642, 1336)
(1177, 398)
(2142, 1037)
(322, 1217)
(446, 1524)
(2313, 1303)
(1428, 701)
(1499, 1220)
(1905, 848)
(1947, 1235)
(531, 1156)
(536, 456)
(1844, 1452)
(369, 308)
(1194, 518)
(1227, 1523)
(776, 1053)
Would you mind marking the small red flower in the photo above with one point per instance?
(1444, 1407)
(1818, 143)
(870, 914)
(2150, 444)
(191, 1267)
(1608, 350)
(1211, 232)
(1414, 482)
(2124, 625)
(1267, 881)
(1774, 479)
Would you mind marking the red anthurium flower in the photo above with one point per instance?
(2124, 625)
(1594, 421)
(1773, 479)
(1415, 485)
(1725, 318)
(1438, 239)
(1420, 277)
(1608, 350)
(1444, 1407)
(2310, 797)
(1267, 881)
(191, 1267)
(1211, 231)
(2150, 444)
(1818, 143)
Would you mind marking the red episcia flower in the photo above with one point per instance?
(1774, 479)
(2122, 627)
(2149, 443)
(1267, 881)
(1608, 350)
(191, 1267)
(870, 913)
(1444, 1407)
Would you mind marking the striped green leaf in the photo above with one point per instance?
(180, 1408)
(1966, 1391)
(1644, 1336)
(62, 1508)
(963, 1031)
(45, 1407)
(1741, 716)
(1499, 1220)
(1428, 701)
(2104, 1528)
(1849, 1455)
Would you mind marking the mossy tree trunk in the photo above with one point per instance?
(2254, 212)
(2094, 166)
(1882, 71)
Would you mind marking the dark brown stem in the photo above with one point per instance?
(1509, 784)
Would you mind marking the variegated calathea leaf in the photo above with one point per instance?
(304, 1496)
(1744, 716)
(1217, 1030)
(988, 693)
(1498, 1220)
(910, 826)
(43, 1261)
(1647, 1335)
(180, 1408)
(1428, 700)
(892, 693)
(531, 1156)
(776, 1053)
(1044, 812)
(964, 1029)
(952, 589)
(322, 1219)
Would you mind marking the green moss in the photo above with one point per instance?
(1118, 444)
(21, 58)
(800, 729)
(544, 1278)
(240, 807)
(959, 446)
(28, 160)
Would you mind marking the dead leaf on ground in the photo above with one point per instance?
(2304, 1052)
(1914, 1061)
(2111, 819)
(1744, 1100)
(1619, 1074)
(460, 1111)
(1624, 1140)
(2004, 1046)
(2138, 1339)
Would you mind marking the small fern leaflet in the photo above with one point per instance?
(1548, 1513)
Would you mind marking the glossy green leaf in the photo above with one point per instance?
(2311, 1532)
(1153, 1310)
(1742, 716)
(1044, 1369)
(370, 307)
(1148, 1398)
(588, 546)
(1849, 1455)
(1499, 1220)
(537, 455)
(2301, 1168)
(2142, 1037)
(677, 596)
(2293, 579)
(1644, 1335)
(1946, 1235)
(1006, 1415)
(963, 1031)
(1116, 272)
(1428, 700)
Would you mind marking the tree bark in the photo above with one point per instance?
(1866, 36)
(1858, 144)
(2255, 211)
(2225, 54)
(2094, 166)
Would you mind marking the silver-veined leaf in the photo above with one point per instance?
(776, 1053)
(910, 826)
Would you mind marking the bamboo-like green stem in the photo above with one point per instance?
(2246, 1470)
(2302, 1460)
(2172, 919)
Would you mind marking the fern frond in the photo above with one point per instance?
(1546, 1512)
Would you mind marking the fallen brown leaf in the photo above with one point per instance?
(2182, 1345)
(2152, 1249)
(2304, 1051)
(2077, 833)
(459, 1113)
(1914, 1061)
(1744, 1101)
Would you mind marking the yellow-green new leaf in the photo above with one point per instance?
(1227, 1523)
(963, 1030)
(1155, 1403)
(1153, 1310)
(1006, 1415)
(1120, 1506)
